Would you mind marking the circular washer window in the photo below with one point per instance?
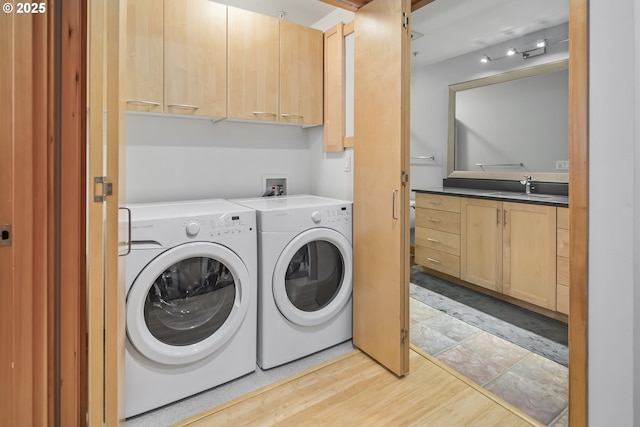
(187, 303)
(312, 279)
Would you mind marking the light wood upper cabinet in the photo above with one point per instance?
(253, 65)
(301, 80)
(481, 243)
(145, 72)
(275, 69)
(529, 259)
(195, 43)
(334, 89)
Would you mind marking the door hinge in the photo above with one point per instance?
(5, 235)
(403, 335)
(106, 187)
(404, 178)
(405, 20)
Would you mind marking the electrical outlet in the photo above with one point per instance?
(562, 164)
(347, 163)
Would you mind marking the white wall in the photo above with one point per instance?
(171, 158)
(614, 214)
(430, 98)
(332, 173)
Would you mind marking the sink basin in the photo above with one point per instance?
(519, 195)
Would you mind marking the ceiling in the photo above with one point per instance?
(450, 27)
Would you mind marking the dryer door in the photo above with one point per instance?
(187, 302)
(312, 278)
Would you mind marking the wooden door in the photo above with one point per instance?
(481, 243)
(253, 66)
(26, 339)
(105, 270)
(529, 260)
(381, 198)
(144, 55)
(195, 58)
(301, 66)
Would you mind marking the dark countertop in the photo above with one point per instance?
(510, 196)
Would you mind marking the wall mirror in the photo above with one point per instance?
(511, 124)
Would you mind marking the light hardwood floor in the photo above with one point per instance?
(353, 390)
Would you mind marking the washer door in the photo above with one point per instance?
(187, 302)
(312, 278)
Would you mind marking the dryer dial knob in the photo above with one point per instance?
(192, 229)
(316, 217)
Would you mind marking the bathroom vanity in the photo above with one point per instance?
(508, 244)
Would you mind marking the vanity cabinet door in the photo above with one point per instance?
(529, 259)
(481, 243)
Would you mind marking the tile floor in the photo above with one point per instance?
(528, 381)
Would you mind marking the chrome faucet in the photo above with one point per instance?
(527, 184)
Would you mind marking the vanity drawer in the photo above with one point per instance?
(438, 240)
(438, 260)
(563, 218)
(438, 201)
(562, 299)
(438, 220)
(562, 242)
(562, 271)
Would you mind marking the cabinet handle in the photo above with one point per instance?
(394, 193)
(434, 219)
(433, 260)
(142, 102)
(186, 106)
(504, 216)
(435, 202)
(263, 113)
(433, 240)
(497, 216)
(294, 116)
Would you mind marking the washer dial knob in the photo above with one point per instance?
(192, 228)
(316, 217)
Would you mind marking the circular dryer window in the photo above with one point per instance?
(187, 302)
(312, 279)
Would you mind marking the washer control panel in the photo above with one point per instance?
(338, 215)
(219, 226)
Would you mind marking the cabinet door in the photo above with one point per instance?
(481, 243)
(529, 262)
(253, 66)
(195, 34)
(334, 89)
(144, 55)
(301, 58)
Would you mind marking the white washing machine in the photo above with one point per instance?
(304, 275)
(191, 281)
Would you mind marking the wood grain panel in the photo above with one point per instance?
(253, 65)
(481, 243)
(437, 201)
(438, 240)
(354, 390)
(301, 74)
(334, 89)
(381, 217)
(72, 219)
(529, 258)
(562, 242)
(6, 217)
(563, 218)
(438, 220)
(578, 209)
(438, 260)
(562, 276)
(195, 67)
(145, 61)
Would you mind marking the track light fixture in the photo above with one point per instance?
(539, 49)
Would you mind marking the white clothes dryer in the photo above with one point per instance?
(191, 280)
(304, 275)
